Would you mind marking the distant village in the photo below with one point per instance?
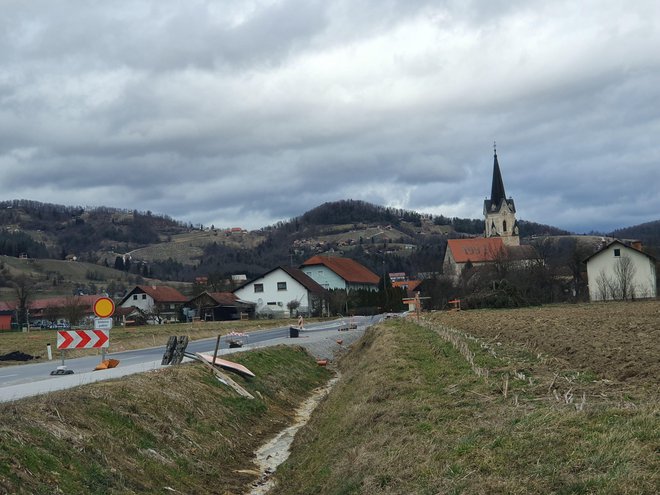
(493, 270)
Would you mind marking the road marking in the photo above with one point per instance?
(7, 376)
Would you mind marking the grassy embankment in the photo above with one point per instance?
(427, 410)
(176, 430)
(126, 338)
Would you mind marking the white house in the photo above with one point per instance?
(621, 271)
(157, 304)
(340, 273)
(274, 293)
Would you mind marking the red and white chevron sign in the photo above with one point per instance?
(82, 339)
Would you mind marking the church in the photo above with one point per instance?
(501, 240)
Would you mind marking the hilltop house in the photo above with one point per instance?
(340, 273)
(621, 271)
(220, 306)
(276, 292)
(155, 304)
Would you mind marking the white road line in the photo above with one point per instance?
(7, 376)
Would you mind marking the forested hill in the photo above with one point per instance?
(648, 233)
(382, 238)
(44, 230)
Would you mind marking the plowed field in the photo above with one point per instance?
(618, 341)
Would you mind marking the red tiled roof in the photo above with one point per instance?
(160, 293)
(476, 250)
(58, 302)
(410, 284)
(348, 269)
(7, 306)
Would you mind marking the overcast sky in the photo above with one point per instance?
(243, 113)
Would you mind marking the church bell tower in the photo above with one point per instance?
(500, 212)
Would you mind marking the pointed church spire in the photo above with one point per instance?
(497, 193)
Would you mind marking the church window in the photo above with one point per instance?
(504, 226)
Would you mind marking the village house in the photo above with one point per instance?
(219, 306)
(340, 273)
(284, 291)
(153, 304)
(621, 271)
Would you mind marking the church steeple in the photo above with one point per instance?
(497, 193)
(500, 212)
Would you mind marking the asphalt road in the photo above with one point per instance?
(27, 380)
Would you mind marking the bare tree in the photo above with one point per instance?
(73, 310)
(604, 286)
(621, 284)
(24, 288)
(624, 277)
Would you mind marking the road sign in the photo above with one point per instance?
(82, 339)
(102, 323)
(104, 307)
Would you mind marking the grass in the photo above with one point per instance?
(410, 415)
(176, 428)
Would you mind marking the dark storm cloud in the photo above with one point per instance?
(248, 112)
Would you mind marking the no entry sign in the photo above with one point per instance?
(82, 339)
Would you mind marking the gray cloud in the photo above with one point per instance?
(248, 112)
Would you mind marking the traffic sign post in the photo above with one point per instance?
(104, 308)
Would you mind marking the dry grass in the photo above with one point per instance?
(429, 409)
(176, 429)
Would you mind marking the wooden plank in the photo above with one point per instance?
(237, 388)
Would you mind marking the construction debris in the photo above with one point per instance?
(107, 364)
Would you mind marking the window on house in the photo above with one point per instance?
(144, 296)
(617, 253)
(258, 287)
(281, 285)
(134, 297)
(272, 303)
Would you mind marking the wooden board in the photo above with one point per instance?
(228, 365)
(224, 378)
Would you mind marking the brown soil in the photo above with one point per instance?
(618, 341)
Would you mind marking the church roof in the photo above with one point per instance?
(475, 250)
(487, 249)
(497, 194)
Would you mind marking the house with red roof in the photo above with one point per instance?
(332, 272)
(155, 303)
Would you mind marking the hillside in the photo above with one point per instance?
(150, 246)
